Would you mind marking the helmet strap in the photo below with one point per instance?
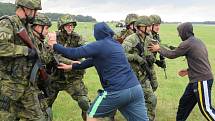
(41, 36)
(145, 31)
(153, 29)
(134, 30)
(28, 19)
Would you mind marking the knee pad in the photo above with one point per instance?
(5, 103)
(83, 103)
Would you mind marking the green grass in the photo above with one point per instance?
(169, 91)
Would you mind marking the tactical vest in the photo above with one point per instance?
(68, 40)
(72, 40)
(18, 68)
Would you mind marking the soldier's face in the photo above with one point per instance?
(42, 30)
(148, 29)
(145, 29)
(69, 28)
(131, 26)
(156, 28)
(30, 12)
(45, 31)
(142, 29)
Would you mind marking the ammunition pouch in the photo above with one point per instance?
(4, 103)
(148, 72)
(150, 60)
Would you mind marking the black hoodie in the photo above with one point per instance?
(185, 31)
(195, 52)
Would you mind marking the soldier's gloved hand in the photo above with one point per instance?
(161, 63)
(32, 54)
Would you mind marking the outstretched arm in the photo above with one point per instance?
(86, 51)
(76, 65)
(181, 50)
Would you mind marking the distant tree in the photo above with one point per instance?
(54, 16)
(81, 18)
(9, 9)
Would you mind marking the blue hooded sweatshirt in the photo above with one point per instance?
(108, 57)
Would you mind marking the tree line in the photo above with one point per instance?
(9, 9)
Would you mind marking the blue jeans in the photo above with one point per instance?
(197, 92)
(130, 102)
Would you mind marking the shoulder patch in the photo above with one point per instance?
(3, 35)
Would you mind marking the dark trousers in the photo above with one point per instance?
(198, 92)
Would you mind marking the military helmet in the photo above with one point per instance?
(131, 18)
(143, 21)
(31, 4)
(155, 19)
(42, 20)
(66, 19)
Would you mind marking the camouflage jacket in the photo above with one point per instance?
(44, 51)
(156, 36)
(46, 55)
(120, 36)
(73, 40)
(13, 52)
(133, 53)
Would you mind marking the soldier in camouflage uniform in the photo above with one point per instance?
(141, 60)
(72, 81)
(40, 27)
(156, 21)
(17, 61)
(130, 29)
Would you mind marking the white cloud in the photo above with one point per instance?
(107, 10)
(8, 1)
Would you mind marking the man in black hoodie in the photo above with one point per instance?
(199, 71)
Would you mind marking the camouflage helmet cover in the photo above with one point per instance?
(155, 19)
(31, 4)
(143, 21)
(66, 19)
(130, 18)
(42, 19)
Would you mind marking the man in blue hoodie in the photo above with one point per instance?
(122, 90)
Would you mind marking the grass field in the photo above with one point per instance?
(169, 91)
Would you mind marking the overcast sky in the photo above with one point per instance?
(107, 10)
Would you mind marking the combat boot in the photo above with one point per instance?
(84, 115)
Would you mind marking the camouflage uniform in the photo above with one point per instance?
(138, 62)
(156, 20)
(46, 55)
(71, 81)
(130, 19)
(18, 96)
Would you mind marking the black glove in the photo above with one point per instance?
(32, 54)
(161, 63)
(162, 57)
